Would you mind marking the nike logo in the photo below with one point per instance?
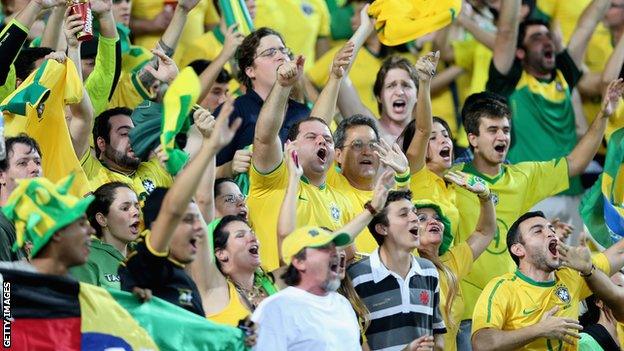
(302, 198)
(525, 312)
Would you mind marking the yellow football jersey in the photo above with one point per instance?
(425, 184)
(459, 259)
(515, 190)
(320, 206)
(364, 242)
(514, 301)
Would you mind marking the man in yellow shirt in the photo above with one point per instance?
(318, 204)
(537, 307)
(114, 159)
(515, 187)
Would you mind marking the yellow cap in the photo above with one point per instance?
(313, 237)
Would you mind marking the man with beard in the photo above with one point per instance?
(309, 314)
(532, 69)
(401, 291)
(114, 159)
(537, 306)
(318, 204)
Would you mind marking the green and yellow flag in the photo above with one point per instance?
(235, 11)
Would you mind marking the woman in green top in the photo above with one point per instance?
(114, 214)
(599, 327)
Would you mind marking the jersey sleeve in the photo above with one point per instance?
(265, 184)
(493, 303)
(504, 84)
(546, 178)
(144, 268)
(90, 165)
(101, 83)
(570, 71)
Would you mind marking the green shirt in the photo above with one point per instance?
(543, 121)
(588, 343)
(101, 267)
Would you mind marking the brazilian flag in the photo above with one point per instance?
(235, 11)
(602, 207)
(49, 312)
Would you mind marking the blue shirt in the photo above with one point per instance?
(248, 108)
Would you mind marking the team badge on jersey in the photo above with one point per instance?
(335, 212)
(494, 197)
(149, 186)
(307, 9)
(563, 294)
(186, 297)
(559, 86)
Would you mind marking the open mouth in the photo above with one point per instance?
(414, 231)
(134, 228)
(243, 213)
(193, 243)
(322, 154)
(334, 266)
(445, 153)
(253, 250)
(366, 162)
(399, 106)
(435, 229)
(552, 247)
(500, 148)
(549, 54)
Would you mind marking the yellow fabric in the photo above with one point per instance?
(50, 128)
(310, 236)
(620, 333)
(512, 302)
(129, 92)
(616, 121)
(233, 312)
(300, 22)
(425, 184)
(364, 242)
(193, 28)
(459, 260)
(401, 21)
(362, 75)
(149, 174)
(319, 206)
(518, 188)
(475, 59)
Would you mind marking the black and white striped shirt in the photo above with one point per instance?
(401, 310)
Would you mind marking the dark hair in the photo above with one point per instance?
(382, 216)
(152, 206)
(25, 61)
(218, 182)
(9, 142)
(522, 28)
(388, 64)
(199, 66)
(408, 133)
(514, 235)
(220, 235)
(246, 52)
(592, 315)
(293, 132)
(484, 104)
(104, 196)
(340, 135)
(291, 276)
(102, 126)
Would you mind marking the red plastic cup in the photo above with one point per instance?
(83, 8)
(170, 5)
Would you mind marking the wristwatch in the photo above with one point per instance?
(370, 208)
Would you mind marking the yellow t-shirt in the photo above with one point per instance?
(475, 59)
(515, 190)
(233, 312)
(129, 92)
(320, 206)
(148, 176)
(459, 259)
(202, 14)
(620, 333)
(514, 301)
(300, 22)
(363, 73)
(425, 184)
(364, 242)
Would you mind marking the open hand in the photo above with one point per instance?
(167, 69)
(575, 257)
(470, 182)
(342, 59)
(233, 39)
(392, 157)
(564, 329)
(612, 96)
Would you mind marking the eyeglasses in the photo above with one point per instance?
(271, 52)
(423, 217)
(358, 145)
(233, 199)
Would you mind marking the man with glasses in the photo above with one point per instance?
(259, 56)
(358, 165)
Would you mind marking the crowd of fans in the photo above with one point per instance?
(339, 193)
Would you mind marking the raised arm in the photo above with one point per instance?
(267, 145)
(204, 196)
(614, 65)
(586, 148)
(325, 105)
(507, 36)
(233, 39)
(417, 150)
(488, 39)
(52, 33)
(585, 28)
(287, 220)
(176, 201)
(486, 225)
